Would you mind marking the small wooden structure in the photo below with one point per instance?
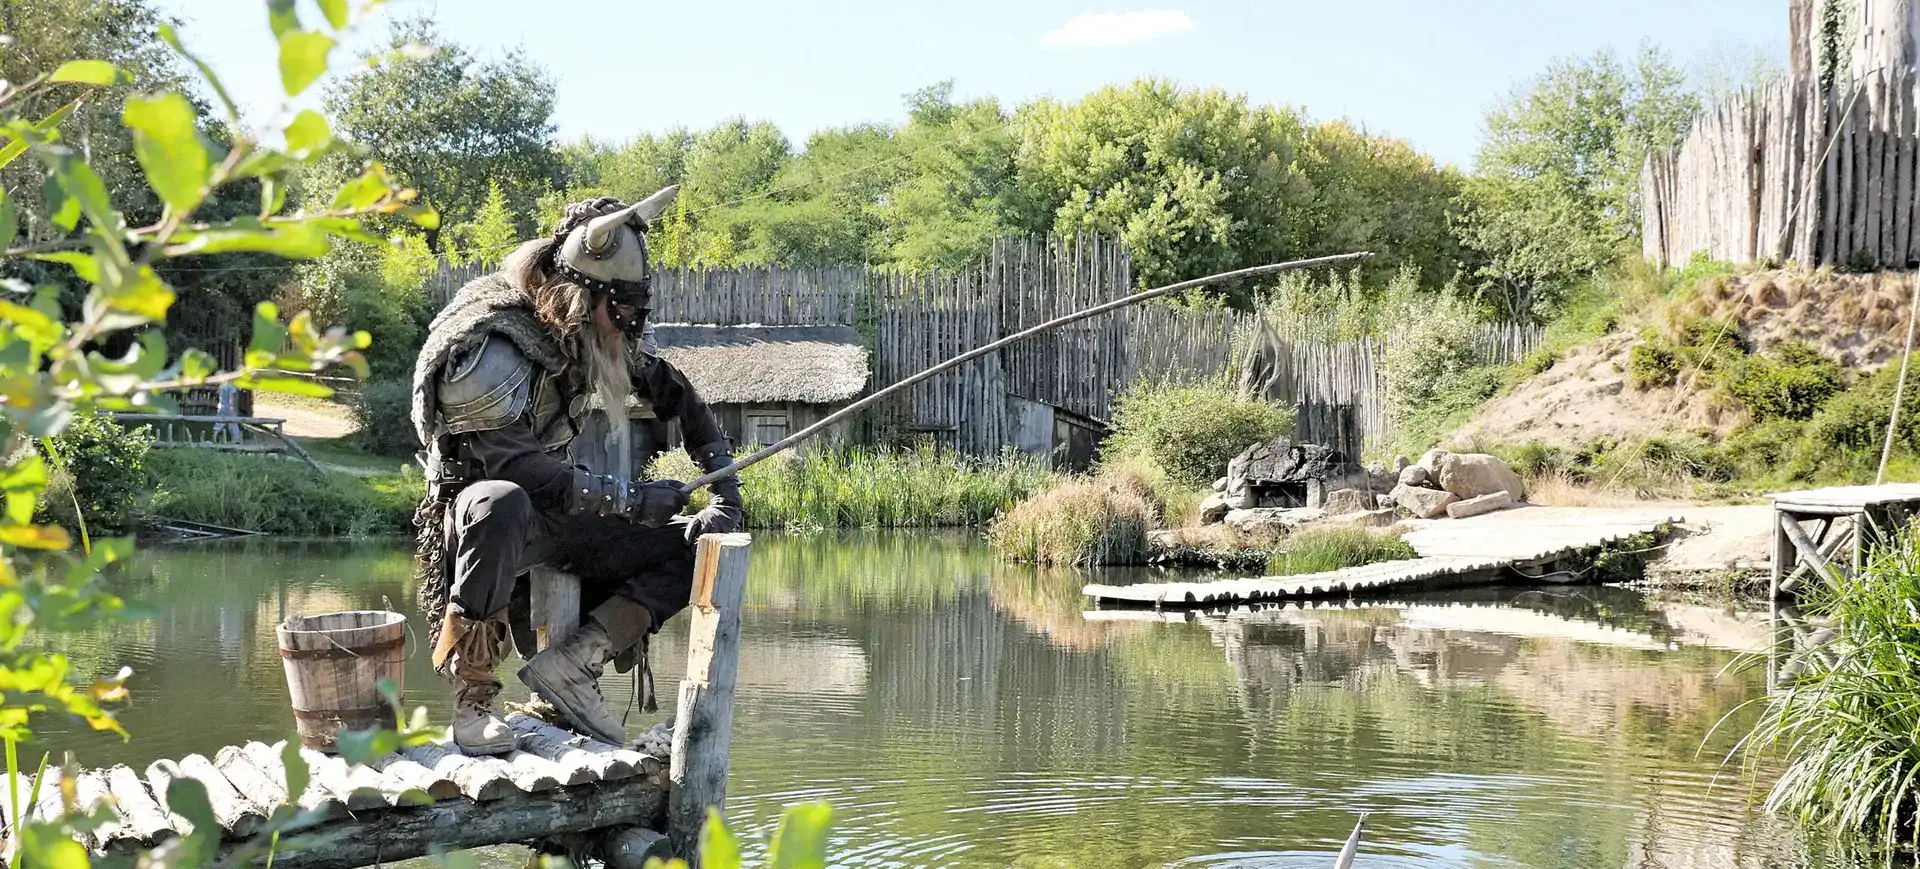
(335, 663)
(558, 790)
(219, 432)
(767, 382)
(1850, 520)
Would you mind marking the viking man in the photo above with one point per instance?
(541, 403)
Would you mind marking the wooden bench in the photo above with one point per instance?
(219, 432)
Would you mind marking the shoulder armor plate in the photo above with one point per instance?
(487, 388)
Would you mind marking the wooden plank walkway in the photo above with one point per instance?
(1455, 553)
(558, 782)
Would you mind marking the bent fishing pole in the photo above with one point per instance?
(792, 440)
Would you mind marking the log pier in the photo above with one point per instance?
(559, 791)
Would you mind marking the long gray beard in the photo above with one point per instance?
(608, 371)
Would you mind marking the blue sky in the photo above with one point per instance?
(1423, 70)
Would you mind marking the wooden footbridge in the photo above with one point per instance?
(558, 791)
(1525, 543)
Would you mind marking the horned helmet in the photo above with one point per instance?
(607, 256)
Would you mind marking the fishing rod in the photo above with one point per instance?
(794, 439)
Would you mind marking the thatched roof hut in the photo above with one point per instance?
(766, 382)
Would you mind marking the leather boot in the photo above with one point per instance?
(474, 651)
(567, 674)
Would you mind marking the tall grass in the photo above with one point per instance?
(279, 496)
(1850, 725)
(1323, 550)
(869, 488)
(1083, 521)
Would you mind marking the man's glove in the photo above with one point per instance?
(722, 514)
(654, 503)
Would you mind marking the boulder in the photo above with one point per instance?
(1470, 475)
(1240, 501)
(1348, 501)
(1483, 504)
(1164, 540)
(1214, 509)
(1415, 475)
(1279, 520)
(1431, 461)
(1220, 485)
(1401, 463)
(1423, 503)
(1384, 501)
(1367, 518)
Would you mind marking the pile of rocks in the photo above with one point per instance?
(1455, 485)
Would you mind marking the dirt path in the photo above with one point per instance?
(306, 417)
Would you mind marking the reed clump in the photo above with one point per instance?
(1850, 724)
(852, 487)
(1322, 550)
(1082, 522)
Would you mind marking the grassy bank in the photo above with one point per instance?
(1323, 550)
(279, 495)
(1850, 725)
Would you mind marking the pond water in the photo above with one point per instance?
(961, 712)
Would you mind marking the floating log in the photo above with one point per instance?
(409, 774)
(142, 819)
(481, 779)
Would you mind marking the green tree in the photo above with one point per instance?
(1192, 181)
(1555, 194)
(958, 192)
(492, 233)
(452, 125)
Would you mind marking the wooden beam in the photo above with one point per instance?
(1808, 552)
(555, 604)
(703, 727)
(404, 833)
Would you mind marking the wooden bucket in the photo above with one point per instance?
(334, 666)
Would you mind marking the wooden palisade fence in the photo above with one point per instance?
(914, 320)
(1793, 174)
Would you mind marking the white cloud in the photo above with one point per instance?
(1110, 29)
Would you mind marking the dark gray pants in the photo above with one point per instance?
(495, 534)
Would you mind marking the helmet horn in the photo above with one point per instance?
(601, 239)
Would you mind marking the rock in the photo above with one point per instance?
(1401, 463)
(1431, 461)
(1384, 501)
(1470, 475)
(1367, 518)
(1220, 485)
(1415, 475)
(1423, 503)
(1214, 509)
(1241, 501)
(1280, 520)
(1348, 501)
(1163, 540)
(1483, 504)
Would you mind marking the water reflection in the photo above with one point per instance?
(961, 712)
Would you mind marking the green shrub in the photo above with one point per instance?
(384, 415)
(1450, 405)
(1857, 418)
(98, 464)
(1322, 550)
(278, 495)
(1192, 430)
(1651, 364)
(1428, 348)
(1790, 382)
(1082, 522)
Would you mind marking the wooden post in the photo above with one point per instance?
(703, 724)
(555, 604)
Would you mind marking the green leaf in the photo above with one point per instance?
(296, 239)
(269, 336)
(63, 208)
(166, 140)
(336, 12)
(307, 134)
(172, 38)
(35, 536)
(303, 59)
(800, 842)
(196, 365)
(95, 72)
(39, 329)
(365, 191)
(282, 17)
(18, 145)
(296, 767)
(82, 264)
(9, 220)
(718, 848)
(285, 385)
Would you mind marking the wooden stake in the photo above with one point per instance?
(703, 726)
